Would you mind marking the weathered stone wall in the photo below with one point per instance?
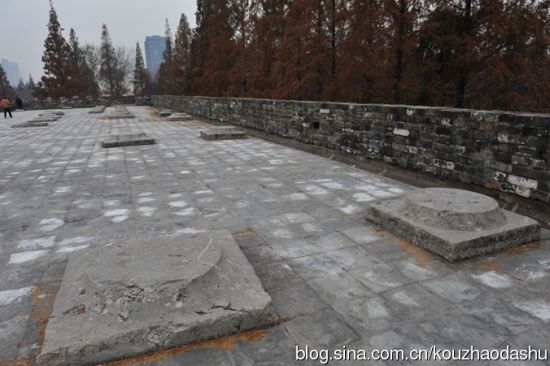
(499, 150)
(87, 103)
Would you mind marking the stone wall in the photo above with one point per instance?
(86, 103)
(499, 150)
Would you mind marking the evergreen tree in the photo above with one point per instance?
(168, 49)
(268, 20)
(164, 78)
(467, 53)
(402, 19)
(240, 20)
(5, 88)
(40, 91)
(21, 85)
(30, 84)
(85, 82)
(78, 83)
(141, 76)
(216, 41)
(304, 60)
(57, 60)
(362, 53)
(199, 46)
(181, 63)
(111, 73)
(92, 55)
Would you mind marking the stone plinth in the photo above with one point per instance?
(30, 124)
(179, 117)
(120, 115)
(453, 223)
(165, 112)
(120, 112)
(223, 133)
(97, 109)
(128, 140)
(143, 295)
(45, 118)
(57, 114)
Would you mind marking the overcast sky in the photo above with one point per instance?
(23, 24)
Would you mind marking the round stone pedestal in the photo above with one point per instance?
(454, 209)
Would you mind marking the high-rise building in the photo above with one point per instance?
(12, 71)
(154, 50)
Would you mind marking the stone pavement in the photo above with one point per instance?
(334, 278)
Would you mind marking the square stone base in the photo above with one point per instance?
(30, 124)
(223, 133)
(453, 245)
(117, 115)
(179, 117)
(165, 113)
(128, 140)
(45, 118)
(98, 109)
(150, 294)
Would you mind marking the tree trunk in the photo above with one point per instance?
(463, 71)
(398, 70)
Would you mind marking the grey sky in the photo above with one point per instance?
(23, 24)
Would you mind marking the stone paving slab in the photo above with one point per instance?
(144, 295)
(223, 133)
(128, 140)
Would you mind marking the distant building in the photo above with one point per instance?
(12, 71)
(154, 49)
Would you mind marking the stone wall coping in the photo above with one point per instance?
(351, 105)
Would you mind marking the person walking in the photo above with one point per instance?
(6, 104)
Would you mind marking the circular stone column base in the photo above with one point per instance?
(453, 223)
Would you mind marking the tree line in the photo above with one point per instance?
(462, 53)
(489, 54)
(84, 71)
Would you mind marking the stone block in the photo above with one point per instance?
(97, 109)
(128, 140)
(45, 118)
(453, 223)
(30, 124)
(401, 132)
(165, 112)
(145, 295)
(120, 115)
(180, 117)
(52, 113)
(223, 133)
(120, 112)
